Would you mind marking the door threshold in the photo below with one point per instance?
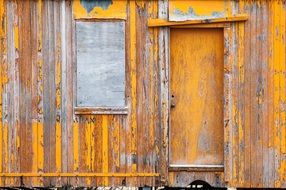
(196, 168)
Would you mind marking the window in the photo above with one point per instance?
(100, 48)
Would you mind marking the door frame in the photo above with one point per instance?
(230, 27)
(166, 94)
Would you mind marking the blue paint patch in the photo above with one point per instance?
(90, 4)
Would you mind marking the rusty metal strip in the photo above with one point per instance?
(79, 174)
(163, 22)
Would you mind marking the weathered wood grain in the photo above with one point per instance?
(41, 131)
(196, 132)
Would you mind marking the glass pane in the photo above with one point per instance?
(100, 64)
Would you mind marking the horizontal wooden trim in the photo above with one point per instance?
(79, 174)
(162, 22)
(101, 110)
(211, 25)
(195, 168)
(92, 19)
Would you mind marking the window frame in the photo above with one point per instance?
(99, 110)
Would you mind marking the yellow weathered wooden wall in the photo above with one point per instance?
(258, 131)
(41, 135)
(255, 135)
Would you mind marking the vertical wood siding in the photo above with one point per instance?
(255, 146)
(39, 132)
(258, 130)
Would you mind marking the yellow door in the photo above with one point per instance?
(196, 131)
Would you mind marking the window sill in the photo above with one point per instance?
(101, 110)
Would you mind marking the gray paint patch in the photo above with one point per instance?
(178, 15)
(100, 64)
(90, 4)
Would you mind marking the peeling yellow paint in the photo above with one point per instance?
(58, 107)
(241, 50)
(5, 148)
(197, 8)
(58, 146)
(116, 10)
(2, 34)
(88, 144)
(282, 170)
(16, 36)
(40, 146)
(35, 149)
(133, 81)
(75, 145)
(40, 25)
(92, 145)
(277, 90)
(105, 147)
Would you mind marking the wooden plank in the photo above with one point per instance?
(163, 56)
(40, 124)
(25, 89)
(241, 105)
(88, 159)
(35, 73)
(265, 107)
(113, 148)
(100, 174)
(82, 147)
(282, 124)
(97, 140)
(283, 129)
(69, 51)
(253, 98)
(277, 116)
(163, 22)
(105, 138)
(271, 96)
(247, 109)
(3, 91)
(57, 82)
(12, 27)
(123, 147)
(142, 97)
(92, 148)
(132, 71)
(152, 56)
(259, 99)
(154, 92)
(76, 146)
(227, 105)
(63, 89)
(2, 60)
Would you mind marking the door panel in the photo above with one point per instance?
(196, 131)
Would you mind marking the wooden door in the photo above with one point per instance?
(196, 131)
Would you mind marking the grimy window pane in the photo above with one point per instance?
(100, 64)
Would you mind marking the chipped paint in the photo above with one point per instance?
(105, 9)
(180, 10)
(111, 150)
(90, 5)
